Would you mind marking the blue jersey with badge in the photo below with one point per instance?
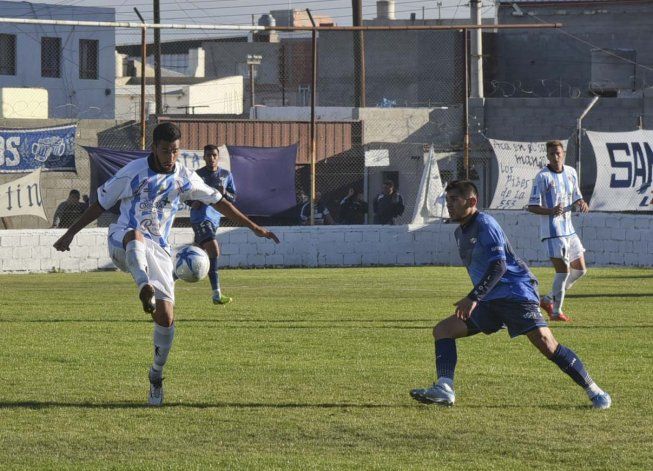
(482, 241)
(221, 180)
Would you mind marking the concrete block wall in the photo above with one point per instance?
(610, 240)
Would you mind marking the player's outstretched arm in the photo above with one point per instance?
(229, 210)
(91, 214)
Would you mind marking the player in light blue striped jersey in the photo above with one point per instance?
(555, 192)
(150, 191)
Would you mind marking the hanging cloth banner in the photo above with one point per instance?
(50, 149)
(624, 170)
(22, 197)
(518, 164)
(430, 203)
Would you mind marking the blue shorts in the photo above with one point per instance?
(204, 231)
(519, 317)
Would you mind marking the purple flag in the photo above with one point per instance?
(265, 178)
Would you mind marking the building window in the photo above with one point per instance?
(51, 57)
(7, 54)
(88, 59)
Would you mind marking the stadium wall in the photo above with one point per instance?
(610, 239)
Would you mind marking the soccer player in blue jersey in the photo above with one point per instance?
(504, 295)
(150, 191)
(205, 219)
(555, 192)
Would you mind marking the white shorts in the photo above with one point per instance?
(159, 262)
(567, 248)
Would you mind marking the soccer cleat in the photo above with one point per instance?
(441, 394)
(147, 298)
(221, 299)
(155, 397)
(546, 303)
(560, 317)
(601, 401)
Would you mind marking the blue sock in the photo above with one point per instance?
(569, 362)
(213, 273)
(446, 358)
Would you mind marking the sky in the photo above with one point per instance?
(240, 11)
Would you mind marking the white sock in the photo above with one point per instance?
(593, 390)
(163, 337)
(558, 291)
(574, 276)
(136, 259)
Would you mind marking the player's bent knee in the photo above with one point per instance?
(544, 341)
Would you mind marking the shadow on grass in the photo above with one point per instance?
(40, 405)
(611, 295)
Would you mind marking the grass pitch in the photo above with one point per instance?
(310, 369)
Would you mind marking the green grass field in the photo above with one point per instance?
(310, 369)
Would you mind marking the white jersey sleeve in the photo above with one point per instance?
(538, 190)
(116, 188)
(196, 189)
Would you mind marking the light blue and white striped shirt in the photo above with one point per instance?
(149, 200)
(550, 189)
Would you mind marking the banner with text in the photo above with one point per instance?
(22, 197)
(518, 164)
(50, 149)
(624, 169)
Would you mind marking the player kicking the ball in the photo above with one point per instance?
(504, 295)
(149, 191)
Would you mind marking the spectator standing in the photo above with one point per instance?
(353, 208)
(388, 204)
(68, 211)
(321, 215)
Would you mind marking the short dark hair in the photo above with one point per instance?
(166, 132)
(210, 148)
(553, 145)
(74, 193)
(389, 182)
(464, 188)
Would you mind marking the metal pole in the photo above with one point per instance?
(359, 55)
(477, 54)
(251, 85)
(143, 60)
(579, 135)
(312, 125)
(157, 60)
(466, 107)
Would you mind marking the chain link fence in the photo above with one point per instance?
(405, 89)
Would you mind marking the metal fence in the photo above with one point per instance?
(405, 88)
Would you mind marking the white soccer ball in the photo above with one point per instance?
(191, 264)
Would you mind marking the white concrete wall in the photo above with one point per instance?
(610, 240)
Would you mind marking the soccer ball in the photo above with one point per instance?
(191, 264)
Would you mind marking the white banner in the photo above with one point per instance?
(377, 158)
(518, 163)
(624, 170)
(430, 202)
(22, 197)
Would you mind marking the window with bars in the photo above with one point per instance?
(51, 57)
(7, 54)
(88, 59)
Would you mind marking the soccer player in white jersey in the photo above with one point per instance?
(150, 190)
(555, 192)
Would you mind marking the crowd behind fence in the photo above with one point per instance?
(407, 89)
